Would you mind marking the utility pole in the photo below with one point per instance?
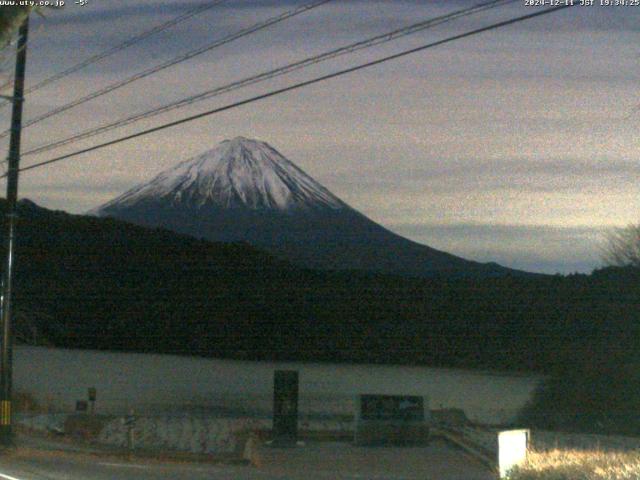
(6, 346)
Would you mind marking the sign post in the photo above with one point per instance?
(92, 394)
(285, 408)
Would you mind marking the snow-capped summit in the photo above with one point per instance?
(238, 173)
(245, 191)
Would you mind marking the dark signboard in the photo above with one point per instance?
(391, 407)
(399, 420)
(81, 406)
(285, 406)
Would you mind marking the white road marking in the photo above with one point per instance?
(8, 477)
(124, 465)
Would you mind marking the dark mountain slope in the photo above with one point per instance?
(103, 283)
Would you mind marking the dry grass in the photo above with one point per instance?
(579, 465)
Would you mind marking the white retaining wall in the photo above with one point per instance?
(154, 384)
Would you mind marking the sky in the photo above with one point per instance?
(518, 145)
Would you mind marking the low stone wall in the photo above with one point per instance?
(192, 434)
(183, 434)
(206, 434)
(43, 423)
(201, 434)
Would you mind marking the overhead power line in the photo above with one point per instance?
(268, 75)
(181, 58)
(6, 84)
(121, 46)
(297, 86)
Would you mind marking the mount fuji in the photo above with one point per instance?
(244, 190)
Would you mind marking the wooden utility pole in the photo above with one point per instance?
(6, 346)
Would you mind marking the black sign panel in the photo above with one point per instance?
(391, 407)
(285, 406)
(81, 406)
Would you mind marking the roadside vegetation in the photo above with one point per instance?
(579, 465)
(599, 394)
(10, 19)
(597, 390)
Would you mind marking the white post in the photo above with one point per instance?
(512, 449)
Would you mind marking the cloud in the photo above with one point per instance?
(538, 248)
(521, 126)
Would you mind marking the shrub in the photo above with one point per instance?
(598, 395)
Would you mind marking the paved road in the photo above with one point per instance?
(319, 461)
(328, 461)
(64, 467)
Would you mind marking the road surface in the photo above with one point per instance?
(319, 461)
(64, 467)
